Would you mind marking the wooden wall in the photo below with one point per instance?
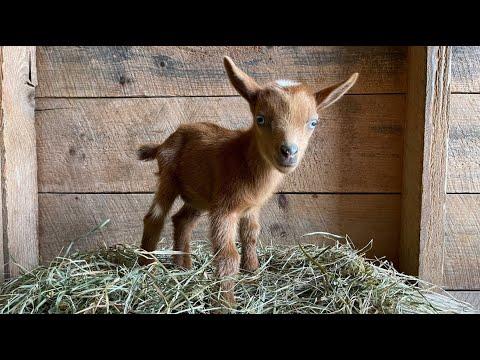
(18, 161)
(96, 105)
(462, 233)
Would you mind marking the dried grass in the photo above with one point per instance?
(312, 279)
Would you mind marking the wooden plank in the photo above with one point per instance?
(77, 71)
(64, 217)
(89, 145)
(19, 160)
(471, 297)
(462, 242)
(466, 69)
(413, 160)
(3, 242)
(464, 144)
(424, 166)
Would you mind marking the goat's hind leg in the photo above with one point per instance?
(154, 220)
(183, 222)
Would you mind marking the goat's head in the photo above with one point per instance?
(285, 114)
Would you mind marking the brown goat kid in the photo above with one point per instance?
(231, 173)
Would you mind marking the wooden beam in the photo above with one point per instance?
(2, 243)
(424, 162)
(18, 159)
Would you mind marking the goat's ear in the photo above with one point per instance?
(329, 95)
(244, 84)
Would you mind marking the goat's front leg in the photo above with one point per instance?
(227, 260)
(249, 231)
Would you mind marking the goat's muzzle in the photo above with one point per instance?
(287, 156)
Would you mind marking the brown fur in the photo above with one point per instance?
(231, 173)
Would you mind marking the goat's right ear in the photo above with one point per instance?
(244, 84)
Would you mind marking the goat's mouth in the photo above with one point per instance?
(286, 165)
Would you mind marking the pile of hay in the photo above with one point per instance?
(292, 279)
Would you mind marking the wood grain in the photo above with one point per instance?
(89, 145)
(462, 242)
(424, 166)
(464, 144)
(64, 217)
(120, 71)
(3, 241)
(413, 160)
(19, 160)
(466, 69)
(471, 297)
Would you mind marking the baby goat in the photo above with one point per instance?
(231, 173)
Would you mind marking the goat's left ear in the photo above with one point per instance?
(244, 84)
(328, 96)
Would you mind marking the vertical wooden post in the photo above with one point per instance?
(19, 199)
(2, 242)
(424, 162)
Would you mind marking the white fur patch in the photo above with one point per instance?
(157, 211)
(287, 83)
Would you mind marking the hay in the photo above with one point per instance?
(292, 279)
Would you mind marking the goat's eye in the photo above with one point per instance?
(260, 120)
(312, 123)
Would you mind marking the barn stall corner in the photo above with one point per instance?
(394, 161)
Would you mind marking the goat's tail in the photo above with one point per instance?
(148, 152)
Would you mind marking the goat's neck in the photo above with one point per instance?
(263, 172)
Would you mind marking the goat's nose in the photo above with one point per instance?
(288, 150)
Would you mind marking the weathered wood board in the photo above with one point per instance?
(466, 69)
(76, 71)
(462, 242)
(424, 166)
(464, 144)
(2, 221)
(64, 217)
(18, 159)
(89, 145)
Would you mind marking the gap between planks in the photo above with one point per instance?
(188, 96)
(276, 193)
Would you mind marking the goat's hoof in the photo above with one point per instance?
(223, 306)
(183, 261)
(227, 294)
(187, 262)
(229, 299)
(250, 265)
(143, 261)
